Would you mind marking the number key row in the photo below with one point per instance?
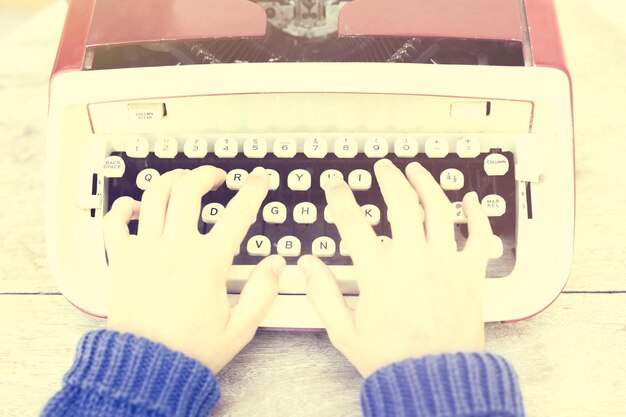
(375, 147)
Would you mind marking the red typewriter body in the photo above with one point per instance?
(362, 72)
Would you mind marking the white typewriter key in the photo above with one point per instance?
(494, 205)
(226, 148)
(496, 249)
(113, 167)
(372, 214)
(496, 164)
(147, 177)
(255, 148)
(458, 213)
(360, 180)
(328, 215)
(343, 249)
(259, 245)
(166, 148)
(324, 247)
(452, 179)
(436, 148)
(328, 174)
(346, 148)
(137, 147)
(315, 148)
(305, 213)
(299, 180)
(385, 240)
(274, 179)
(236, 178)
(196, 148)
(275, 213)
(468, 147)
(376, 148)
(406, 147)
(289, 246)
(212, 212)
(285, 148)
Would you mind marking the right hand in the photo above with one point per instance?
(418, 294)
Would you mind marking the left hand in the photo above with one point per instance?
(168, 283)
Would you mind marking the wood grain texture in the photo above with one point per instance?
(570, 361)
(597, 60)
(26, 58)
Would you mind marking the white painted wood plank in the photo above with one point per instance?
(26, 58)
(597, 63)
(570, 360)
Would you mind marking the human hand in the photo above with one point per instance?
(168, 283)
(418, 294)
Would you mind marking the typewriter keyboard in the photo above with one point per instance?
(294, 219)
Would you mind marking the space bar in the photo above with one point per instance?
(292, 281)
(292, 312)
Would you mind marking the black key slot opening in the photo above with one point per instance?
(94, 191)
(529, 201)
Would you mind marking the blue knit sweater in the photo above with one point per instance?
(122, 375)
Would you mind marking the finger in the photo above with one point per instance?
(184, 208)
(255, 300)
(403, 208)
(115, 226)
(350, 221)
(326, 298)
(154, 204)
(439, 222)
(478, 226)
(241, 212)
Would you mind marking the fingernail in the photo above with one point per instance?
(219, 170)
(333, 182)
(473, 195)
(258, 172)
(278, 265)
(416, 166)
(383, 163)
(306, 266)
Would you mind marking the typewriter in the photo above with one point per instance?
(477, 92)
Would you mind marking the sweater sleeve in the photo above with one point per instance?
(448, 385)
(122, 375)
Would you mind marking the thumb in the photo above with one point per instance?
(324, 294)
(255, 299)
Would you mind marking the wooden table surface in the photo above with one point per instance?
(571, 359)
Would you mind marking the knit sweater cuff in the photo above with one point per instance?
(125, 372)
(448, 385)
